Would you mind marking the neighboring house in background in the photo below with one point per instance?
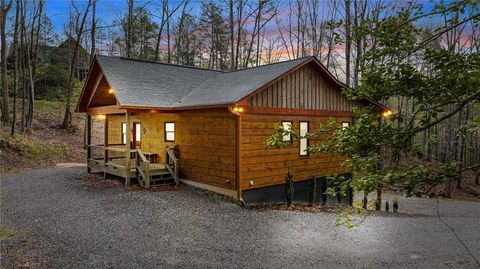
(60, 55)
(53, 66)
(207, 128)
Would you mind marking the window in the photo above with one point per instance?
(137, 135)
(303, 141)
(287, 125)
(345, 124)
(124, 133)
(169, 131)
(138, 132)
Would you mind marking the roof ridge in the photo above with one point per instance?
(181, 100)
(263, 65)
(169, 64)
(201, 68)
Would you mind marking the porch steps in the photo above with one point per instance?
(159, 175)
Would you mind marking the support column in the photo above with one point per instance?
(105, 145)
(89, 141)
(127, 149)
(238, 158)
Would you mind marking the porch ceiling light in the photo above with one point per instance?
(110, 90)
(101, 117)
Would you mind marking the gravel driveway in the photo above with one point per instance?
(60, 223)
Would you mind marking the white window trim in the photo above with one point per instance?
(167, 132)
(287, 125)
(303, 151)
(124, 133)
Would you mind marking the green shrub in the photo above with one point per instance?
(289, 189)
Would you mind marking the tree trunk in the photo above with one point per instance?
(15, 68)
(232, 35)
(94, 26)
(67, 119)
(347, 42)
(365, 200)
(128, 47)
(169, 52)
(22, 63)
(32, 56)
(239, 32)
(160, 30)
(378, 204)
(3, 23)
(331, 37)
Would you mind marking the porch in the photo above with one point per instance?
(129, 161)
(141, 165)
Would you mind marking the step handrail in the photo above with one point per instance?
(143, 167)
(171, 163)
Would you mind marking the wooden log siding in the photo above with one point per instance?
(269, 166)
(304, 89)
(205, 140)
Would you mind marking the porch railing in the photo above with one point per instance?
(114, 154)
(97, 152)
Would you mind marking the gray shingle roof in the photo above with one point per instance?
(139, 83)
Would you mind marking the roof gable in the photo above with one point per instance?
(304, 88)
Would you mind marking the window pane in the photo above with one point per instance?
(303, 141)
(287, 125)
(138, 131)
(303, 128)
(124, 133)
(169, 127)
(303, 146)
(170, 136)
(345, 125)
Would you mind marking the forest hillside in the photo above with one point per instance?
(48, 144)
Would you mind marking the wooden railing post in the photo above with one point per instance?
(105, 144)
(89, 141)
(177, 173)
(147, 174)
(127, 150)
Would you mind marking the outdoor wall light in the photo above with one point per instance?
(110, 90)
(387, 113)
(238, 109)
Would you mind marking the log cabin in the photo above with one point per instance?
(207, 128)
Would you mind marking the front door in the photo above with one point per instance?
(137, 135)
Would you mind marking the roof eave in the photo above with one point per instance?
(176, 108)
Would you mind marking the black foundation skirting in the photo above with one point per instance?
(276, 194)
